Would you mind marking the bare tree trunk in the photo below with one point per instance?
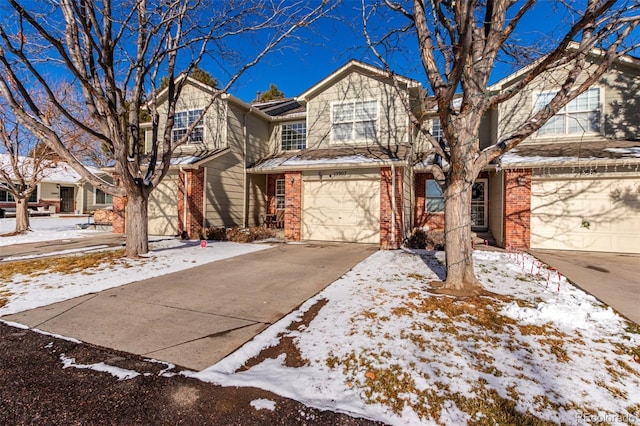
(461, 279)
(22, 215)
(137, 224)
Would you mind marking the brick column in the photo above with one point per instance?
(390, 240)
(119, 207)
(194, 204)
(517, 208)
(292, 205)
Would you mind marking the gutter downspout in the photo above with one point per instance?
(204, 198)
(393, 206)
(245, 190)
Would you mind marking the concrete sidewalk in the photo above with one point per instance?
(613, 278)
(196, 317)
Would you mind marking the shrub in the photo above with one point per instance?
(237, 235)
(432, 240)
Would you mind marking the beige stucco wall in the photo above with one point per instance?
(393, 123)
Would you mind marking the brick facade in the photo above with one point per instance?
(195, 199)
(390, 240)
(293, 205)
(422, 218)
(517, 208)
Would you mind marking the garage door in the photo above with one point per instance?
(341, 210)
(586, 214)
(163, 207)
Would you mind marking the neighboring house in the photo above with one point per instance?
(342, 162)
(61, 190)
(574, 184)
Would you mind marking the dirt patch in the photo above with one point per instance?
(287, 345)
(36, 389)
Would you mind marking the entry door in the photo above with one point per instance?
(479, 204)
(66, 199)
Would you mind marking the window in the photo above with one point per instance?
(7, 197)
(103, 198)
(294, 136)
(436, 129)
(435, 197)
(183, 120)
(581, 115)
(355, 121)
(280, 194)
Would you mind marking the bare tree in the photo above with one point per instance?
(459, 44)
(115, 54)
(20, 173)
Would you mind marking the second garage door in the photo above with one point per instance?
(341, 210)
(586, 214)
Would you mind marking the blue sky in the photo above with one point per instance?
(336, 41)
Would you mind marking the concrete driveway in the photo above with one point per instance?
(196, 317)
(613, 278)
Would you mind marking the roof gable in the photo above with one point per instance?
(348, 68)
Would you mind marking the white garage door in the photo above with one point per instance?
(341, 210)
(586, 214)
(163, 207)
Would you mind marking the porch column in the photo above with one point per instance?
(292, 205)
(391, 208)
(517, 208)
(119, 207)
(190, 211)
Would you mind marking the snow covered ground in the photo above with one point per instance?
(379, 345)
(44, 229)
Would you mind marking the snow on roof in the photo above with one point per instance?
(52, 171)
(626, 152)
(572, 152)
(330, 157)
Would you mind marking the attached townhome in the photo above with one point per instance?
(59, 190)
(343, 162)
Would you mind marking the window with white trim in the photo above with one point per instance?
(354, 121)
(581, 115)
(293, 136)
(434, 197)
(102, 197)
(7, 197)
(279, 194)
(182, 121)
(436, 129)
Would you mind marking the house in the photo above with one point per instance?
(60, 190)
(342, 162)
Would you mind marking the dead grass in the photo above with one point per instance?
(479, 322)
(62, 264)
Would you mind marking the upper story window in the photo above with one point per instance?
(581, 115)
(102, 197)
(293, 136)
(436, 129)
(354, 121)
(183, 120)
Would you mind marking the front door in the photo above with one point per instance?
(66, 199)
(479, 205)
